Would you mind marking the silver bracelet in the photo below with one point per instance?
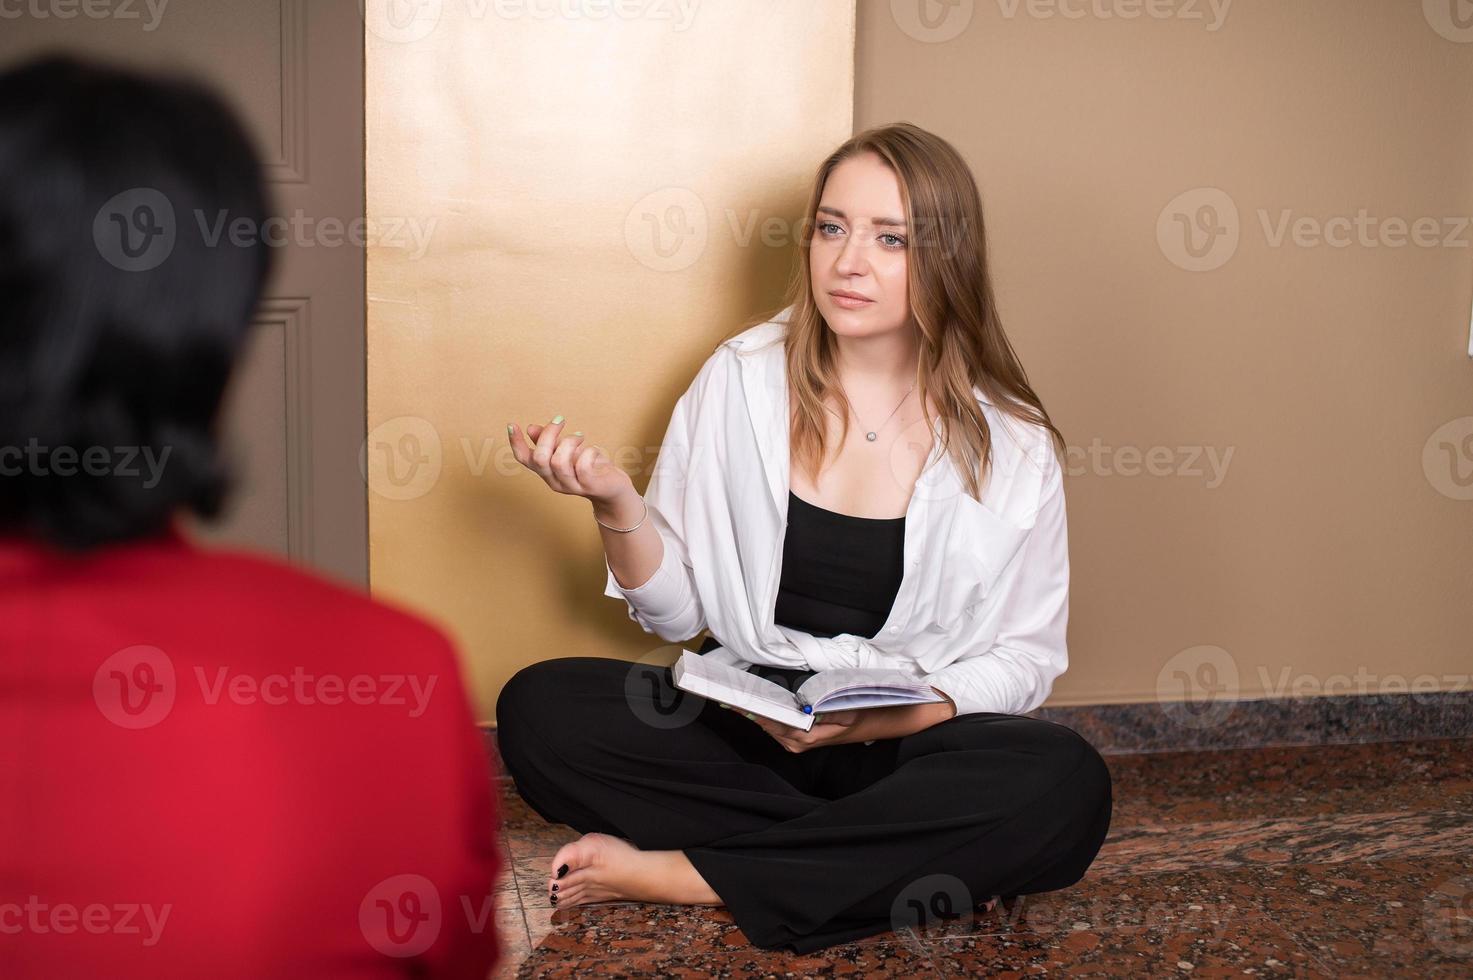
(626, 530)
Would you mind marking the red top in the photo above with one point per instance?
(215, 765)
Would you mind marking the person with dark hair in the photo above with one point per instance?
(211, 763)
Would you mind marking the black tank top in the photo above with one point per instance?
(840, 573)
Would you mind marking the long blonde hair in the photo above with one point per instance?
(962, 342)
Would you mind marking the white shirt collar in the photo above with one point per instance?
(765, 390)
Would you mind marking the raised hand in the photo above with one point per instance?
(566, 464)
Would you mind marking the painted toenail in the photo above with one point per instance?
(562, 871)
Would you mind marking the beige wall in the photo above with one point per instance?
(1271, 475)
(595, 194)
(1338, 541)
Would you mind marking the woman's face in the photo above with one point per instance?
(858, 246)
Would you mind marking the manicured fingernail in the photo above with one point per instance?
(556, 419)
(562, 871)
(554, 899)
(723, 705)
(511, 429)
(750, 715)
(554, 886)
(577, 433)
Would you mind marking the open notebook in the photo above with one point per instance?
(842, 689)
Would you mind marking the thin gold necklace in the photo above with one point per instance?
(874, 434)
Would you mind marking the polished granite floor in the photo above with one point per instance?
(1335, 861)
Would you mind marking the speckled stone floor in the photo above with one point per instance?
(1331, 860)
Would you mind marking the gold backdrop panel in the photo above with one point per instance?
(569, 204)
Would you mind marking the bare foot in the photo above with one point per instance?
(603, 868)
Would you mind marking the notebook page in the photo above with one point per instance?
(879, 686)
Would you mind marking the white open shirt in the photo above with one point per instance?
(984, 602)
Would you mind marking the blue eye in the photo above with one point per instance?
(898, 242)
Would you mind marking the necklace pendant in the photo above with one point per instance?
(871, 436)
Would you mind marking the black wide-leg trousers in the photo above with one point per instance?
(812, 848)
